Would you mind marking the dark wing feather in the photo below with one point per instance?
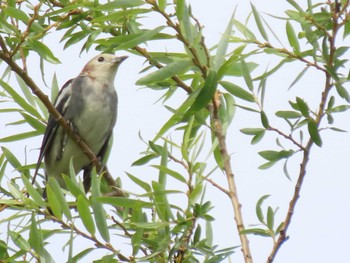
(87, 170)
(52, 125)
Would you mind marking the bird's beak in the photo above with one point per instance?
(120, 59)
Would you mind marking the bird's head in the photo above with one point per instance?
(103, 66)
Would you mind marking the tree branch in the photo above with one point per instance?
(233, 194)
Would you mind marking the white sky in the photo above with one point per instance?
(319, 229)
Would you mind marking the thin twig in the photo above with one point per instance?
(307, 150)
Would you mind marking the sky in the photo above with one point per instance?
(319, 229)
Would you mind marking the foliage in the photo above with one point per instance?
(157, 229)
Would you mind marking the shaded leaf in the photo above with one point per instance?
(237, 91)
(173, 69)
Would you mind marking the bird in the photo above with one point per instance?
(88, 103)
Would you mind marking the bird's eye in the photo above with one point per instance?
(101, 59)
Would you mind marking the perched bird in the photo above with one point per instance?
(89, 104)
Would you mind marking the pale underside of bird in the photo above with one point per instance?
(89, 105)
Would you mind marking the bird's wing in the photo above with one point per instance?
(101, 156)
(61, 105)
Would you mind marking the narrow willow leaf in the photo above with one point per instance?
(173, 69)
(19, 99)
(246, 75)
(16, 14)
(11, 158)
(73, 186)
(252, 131)
(85, 215)
(19, 241)
(264, 120)
(26, 91)
(314, 132)
(140, 183)
(35, 236)
(37, 197)
(258, 209)
(257, 231)
(82, 254)
(145, 159)
(300, 75)
(288, 114)
(292, 37)
(244, 30)
(303, 107)
(34, 122)
(54, 204)
(270, 218)
(237, 91)
(43, 51)
(117, 4)
(259, 23)
(21, 136)
(178, 115)
(170, 172)
(223, 44)
(56, 188)
(276, 155)
(161, 201)
(205, 96)
(123, 202)
(97, 207)
(140, 38)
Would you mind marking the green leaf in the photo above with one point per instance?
(162, 205)
(43, 51)
(20, 100)
(139, 38)
(53, 202)
(19, 241)
(35, 236)
(123, 202)
(13, 160)
(173, 69)
(56, 188)
(140, 183)
(246, 75)
(270, 218)
(237, 91)
(145, 159)
(259, 23)
(292, 37)
(34, 122)
(85, 214)
(264, 120)
(178, 115)
(118, 4)
(258, 209)
(314, 132)
(16, 14)
(97, 207)
(244, 30)
(20, 136)
(303, 107)
(257, 231)
(288, 114)
(33, 192)
(276, 155)
(205, 96)
(170, 172)
(223, 44)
